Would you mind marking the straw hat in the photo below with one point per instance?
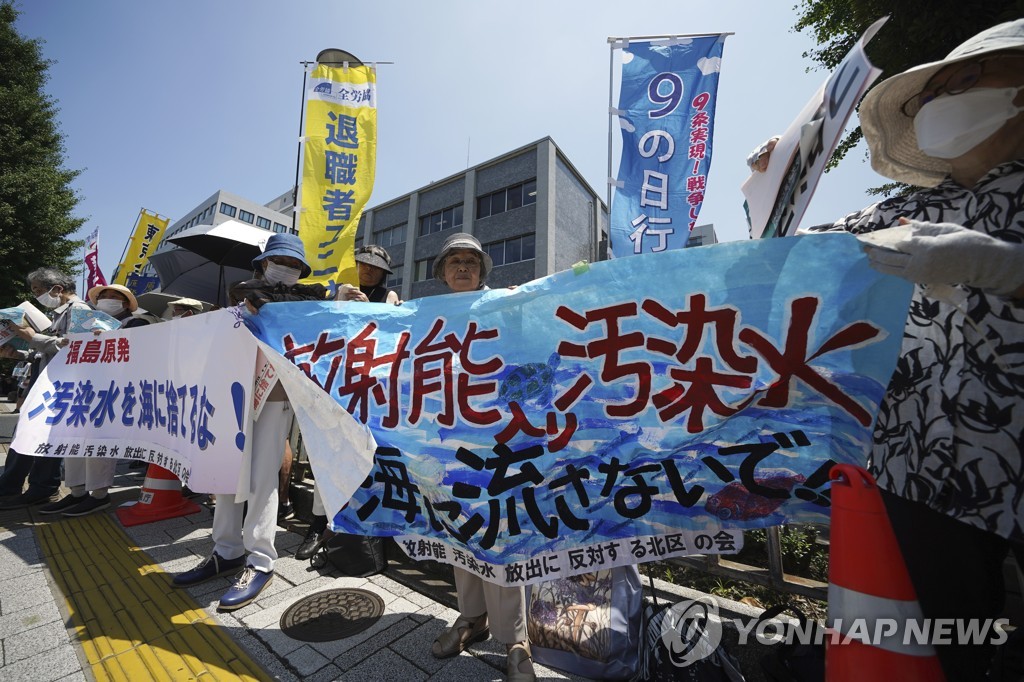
(890, 133)
(190, 303)
(95, 292)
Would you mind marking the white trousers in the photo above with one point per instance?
(89, 474)
(318, 502)
(230, 539)
(505, 606)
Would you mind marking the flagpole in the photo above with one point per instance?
(125, 250)
(675, 36)
(298, 153)
(611, 78)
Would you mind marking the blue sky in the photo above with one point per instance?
(163, 103)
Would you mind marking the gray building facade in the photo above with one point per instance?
(274, 216)
(530, 208)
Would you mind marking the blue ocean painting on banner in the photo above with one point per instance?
(691, 390)
(666, 112)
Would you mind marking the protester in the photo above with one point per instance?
(948, 440)
(374, 265)
(120, 303)
(280, 266)
(185, 307)
(483, 606)
(54, 290)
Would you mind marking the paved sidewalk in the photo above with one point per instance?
(50, 629)
(86, 599)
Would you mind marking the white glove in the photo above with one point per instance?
(945, 253)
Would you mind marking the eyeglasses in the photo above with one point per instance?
(468, 263)
(961, 79)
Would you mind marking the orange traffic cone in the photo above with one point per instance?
(871, 600)
(160, 499)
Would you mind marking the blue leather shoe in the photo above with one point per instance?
(247, 587)
(210, 568)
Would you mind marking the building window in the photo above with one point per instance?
(246, 216)
(228, 210)
(278, 227)
(391, 236)
(447, 219)
(512, 250)
(506, 199)
(262, 222)
(424, 270)
(394, 280)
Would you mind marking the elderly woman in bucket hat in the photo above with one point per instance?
(462, 263)
(948, 440)
(244, 540)
(484, 608)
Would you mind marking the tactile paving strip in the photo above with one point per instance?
(130, 622)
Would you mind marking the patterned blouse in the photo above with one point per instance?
(950, 431)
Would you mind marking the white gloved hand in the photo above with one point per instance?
(945, 253)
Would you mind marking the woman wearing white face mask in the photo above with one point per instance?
(54, 290)
(948, 440)
(119, 302)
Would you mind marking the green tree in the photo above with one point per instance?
(36, 198)
(918, 32)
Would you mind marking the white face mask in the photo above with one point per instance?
(110, 306)
(48, 299)
(952, 125)
(281, 274)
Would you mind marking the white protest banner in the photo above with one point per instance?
(777, 198)
(176, 395)
(341, 449)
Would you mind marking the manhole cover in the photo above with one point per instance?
(330, 615)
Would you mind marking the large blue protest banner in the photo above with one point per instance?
(646, 407)
(666, 112)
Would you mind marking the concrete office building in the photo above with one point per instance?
(530, 208)
(274, 216)
(702, 235)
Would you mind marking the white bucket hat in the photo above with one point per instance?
(890, 133)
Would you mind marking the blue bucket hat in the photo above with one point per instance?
(284, 245)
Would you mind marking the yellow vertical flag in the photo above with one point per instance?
(149, 230)
(338, 166)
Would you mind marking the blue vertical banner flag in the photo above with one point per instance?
(666, 112)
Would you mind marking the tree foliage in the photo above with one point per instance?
(36, 198)
(918, 32)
